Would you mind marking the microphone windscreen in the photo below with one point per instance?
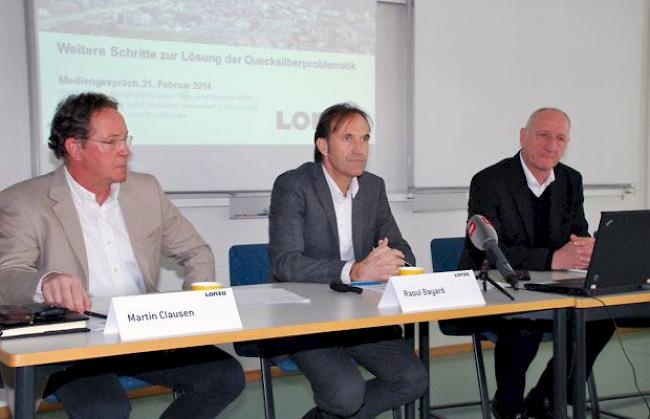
(480, 230)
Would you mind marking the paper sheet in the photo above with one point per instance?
(247, 296)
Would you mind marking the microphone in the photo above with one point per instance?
(484, 237)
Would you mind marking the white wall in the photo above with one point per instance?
(14, 99)
(212, 219)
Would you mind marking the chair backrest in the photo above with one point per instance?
(249, 264)
(445, 253)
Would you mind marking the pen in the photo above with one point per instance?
(95, 314)
(381, 242)
(365, 283)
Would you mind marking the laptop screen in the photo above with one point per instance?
(621, 257)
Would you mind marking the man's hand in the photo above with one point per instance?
(382, 263)
(576, 253)
(65, 290)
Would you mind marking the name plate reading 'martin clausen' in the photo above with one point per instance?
(432, 291)
(172, 313)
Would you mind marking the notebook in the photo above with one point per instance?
(620, 261)
(39, 319)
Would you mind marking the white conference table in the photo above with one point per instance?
(327, 311)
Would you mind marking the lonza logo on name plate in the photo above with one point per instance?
(215, 293)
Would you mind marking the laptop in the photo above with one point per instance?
(620, 261)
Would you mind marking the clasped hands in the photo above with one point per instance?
(575, 254)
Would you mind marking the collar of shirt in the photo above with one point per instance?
(83, 196)
(535, 187)
(337, 195)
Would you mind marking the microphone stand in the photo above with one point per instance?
(485, 277)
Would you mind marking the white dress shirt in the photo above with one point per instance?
(535, 187)
(112, 267)
(343, 211)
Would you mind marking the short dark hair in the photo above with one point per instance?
(72, 119)
(331, 119)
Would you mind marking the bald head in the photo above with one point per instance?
(534, 115)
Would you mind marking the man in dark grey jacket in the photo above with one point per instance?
(330, 222)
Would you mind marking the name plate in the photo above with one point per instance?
(432, 291)
(172, 313)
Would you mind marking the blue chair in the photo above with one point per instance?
(445, 256)
(445, 253)
(250, 265)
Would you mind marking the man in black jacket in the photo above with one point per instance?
(536, 206)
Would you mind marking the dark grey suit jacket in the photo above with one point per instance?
(501, 194)
(304, 242)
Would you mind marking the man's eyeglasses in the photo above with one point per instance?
(114, 142)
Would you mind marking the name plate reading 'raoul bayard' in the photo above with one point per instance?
(172, 313)
(432, 291)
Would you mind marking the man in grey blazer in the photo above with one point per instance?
(91, 228)
(330, 222)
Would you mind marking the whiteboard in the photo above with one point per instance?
(481, 67)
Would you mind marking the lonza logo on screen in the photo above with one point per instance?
(300, 120)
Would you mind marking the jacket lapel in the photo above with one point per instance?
(358, 216)
(520, 191)
(325, 197)
(65, 211)
(133, 218)
(559, 194)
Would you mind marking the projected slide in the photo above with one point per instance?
(210, 72)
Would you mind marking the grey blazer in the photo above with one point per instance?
(40, 232)
(303, 237)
